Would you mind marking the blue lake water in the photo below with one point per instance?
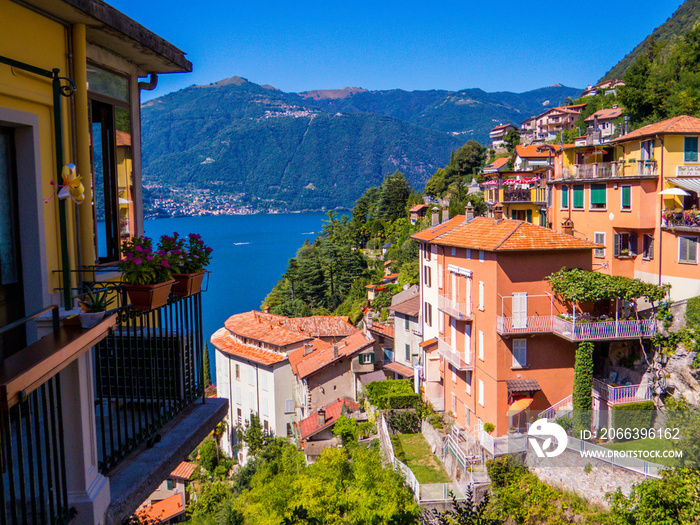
(250, 255)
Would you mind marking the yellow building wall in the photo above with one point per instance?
(44, 47)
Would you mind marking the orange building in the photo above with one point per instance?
(612, 195)
(498, 339)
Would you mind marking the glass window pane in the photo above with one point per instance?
(108, 84)
(8, 249)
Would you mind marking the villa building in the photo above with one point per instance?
(612, 195)
(96, 418)
(554, 120)
(498, 134)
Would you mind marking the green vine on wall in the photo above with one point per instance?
(575, 286)
(583, 384)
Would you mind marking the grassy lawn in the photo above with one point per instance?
(647, 444)
(414, 452)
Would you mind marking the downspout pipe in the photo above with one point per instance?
(661, 205)
(151, 84)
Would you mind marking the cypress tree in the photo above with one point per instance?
(207, 370)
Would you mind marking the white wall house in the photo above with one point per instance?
(407, 332)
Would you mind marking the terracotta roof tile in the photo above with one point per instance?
(434, 231)
(409, 307)
(482, 233)
(225, 342)
(310, 425)
(498, 163)
(381, 328)
(605, 114)
(320, 358)
(530, 151)
(522, 385)
(314, 326)
(297, 356)
(680, 124)
(418, 207)
(163, 510)
(399, 369)
(503, 126)
(265, 328)
(183, 471)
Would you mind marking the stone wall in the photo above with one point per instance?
(433, 437)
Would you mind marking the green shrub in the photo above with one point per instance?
(379, 393)
(583, 383)
(633, 416)
(488, 427)
(398, 401)
(404, 421)
(692, 313)
(505, 470)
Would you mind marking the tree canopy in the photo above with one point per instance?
(576, 285)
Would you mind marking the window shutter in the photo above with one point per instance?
(528, 215)
(599, 239)
(616, 245)
(288, 406)
(578, 196)
(251, 376)
(481, 392)
(598, 194)
(633, 244)
(408, 352)
(626, 197)
(468, 381)
(520, 310)
(519, 353)
(513, 214)
(564, 196)
(251, 401)
(263, 380)
(263, 406)
(239, 396)
(481, 345)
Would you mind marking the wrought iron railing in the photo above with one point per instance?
(456, 359)
(578, 330)
(616, 395)
(32, 453)
(460, 311)
(146, 372)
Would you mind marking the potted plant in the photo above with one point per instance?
(188, 258)
(94, 305)
(146, 274)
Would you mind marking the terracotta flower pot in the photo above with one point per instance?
(149, 296)
(187, 284)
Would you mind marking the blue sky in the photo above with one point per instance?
(412, 45)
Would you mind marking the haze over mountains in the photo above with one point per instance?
(317, 149)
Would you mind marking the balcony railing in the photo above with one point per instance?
(617, 395)
(456, 359)
(577, 331)
(599, 170)
(459, 311)
(681, 219)
(146, 372)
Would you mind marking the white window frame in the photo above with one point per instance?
(263, 381)
(519, 350)
(454, 252)
(441, 324)
(680, 249)
(468, 381)
(481, 392)
(481, 295)
(439, 276)
(590, 197)
(599, 253)
(481, 345)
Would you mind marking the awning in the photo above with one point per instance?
(429, 342)
(522, 386)
(690, 184)
(538, 162)
(399, 369)
(519, 405)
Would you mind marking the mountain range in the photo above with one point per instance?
(317, 149)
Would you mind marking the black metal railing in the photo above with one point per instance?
(146, 372)
(33, 480)
(32, 453)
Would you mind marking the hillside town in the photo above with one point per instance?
(514, 342)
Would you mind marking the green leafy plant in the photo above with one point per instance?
(583, 384)
(141, 265)
(489, 427)
(96, 300)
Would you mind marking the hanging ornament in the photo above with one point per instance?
(72, 187)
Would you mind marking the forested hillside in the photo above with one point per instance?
(678, 24)
(309, 151)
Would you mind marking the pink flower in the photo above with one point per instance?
(149, 257)
(165, 263)
(137, 261)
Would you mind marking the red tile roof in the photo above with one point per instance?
(530, 151)
(381, 328)
(409, 307)
(123, 138)
(297, 356)
(309, 426)
(681, 124)
(263, 327)
(318, 359)
(225, 342)
(503, 126)
(418, 207)
(399, 369)
(605, 114)
(435, 231)
(163, 510)
(482, 233)
(183, 471)
(315, 326)
(428, 343)
(498, 163)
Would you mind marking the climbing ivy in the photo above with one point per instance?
(577, 286)
(583, 383)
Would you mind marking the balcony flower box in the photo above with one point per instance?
(187, 284)
(149, 296)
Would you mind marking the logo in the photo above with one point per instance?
(542, 428)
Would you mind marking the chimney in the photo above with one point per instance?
(321, 417)
(445, 215)
(267, 309)
(435, 220)
(335, 351)
(469, 211)
(308, 348)
(567, 227)
(498, 211)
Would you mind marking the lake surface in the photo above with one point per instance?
(250, 255)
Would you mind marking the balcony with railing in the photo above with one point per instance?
(618, 395)
(513, 195)
(130, 389)
(581, 329)
(452, 356)
(610, 170)
(681, 220)
(457, 310)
